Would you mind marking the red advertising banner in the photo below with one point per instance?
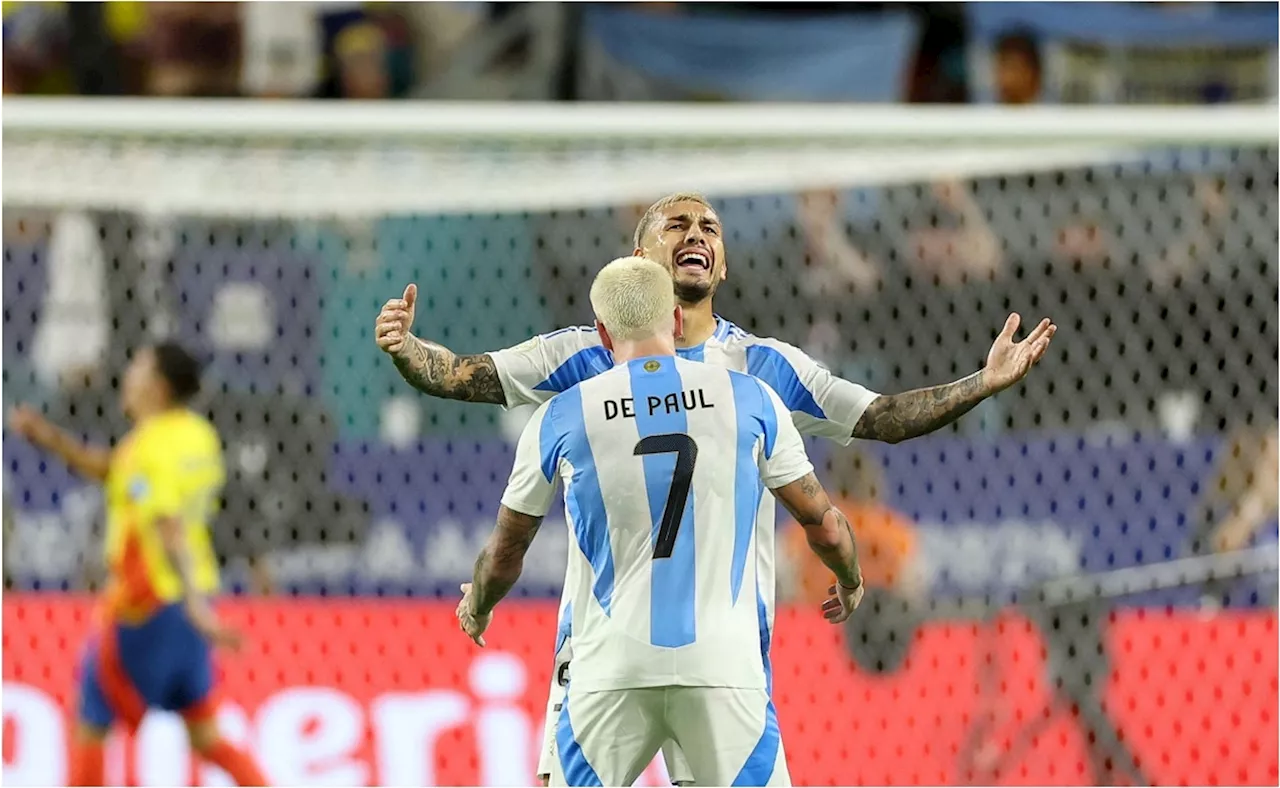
(376, 692)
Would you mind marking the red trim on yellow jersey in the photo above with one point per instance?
(131, 595)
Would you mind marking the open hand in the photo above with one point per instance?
(394, 321)
(469, 621)
(1009, 361)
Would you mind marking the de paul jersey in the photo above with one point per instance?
(664, 463)
(821, 404)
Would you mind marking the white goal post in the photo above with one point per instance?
(361, 160)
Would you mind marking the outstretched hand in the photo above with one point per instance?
(391, 330)
(30, 424)
(1009, 361)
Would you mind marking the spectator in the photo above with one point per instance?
(837, 263)
(360, 54)
(35, 49)
(842, 280)
(195, 49)
(1241, 500)
(1018, 71)
(282, 49)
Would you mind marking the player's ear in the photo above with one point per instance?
(679, 315)
(637, 252)
(605, 339)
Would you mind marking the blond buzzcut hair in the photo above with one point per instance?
(635, 298)
(656, 209)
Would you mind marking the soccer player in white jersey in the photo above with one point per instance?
(664, 463)
(682, 232)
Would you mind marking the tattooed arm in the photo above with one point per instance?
(825, 526)
(501, 560)
(436, 370)
(524, 503)
(431, 368)
(898, 417)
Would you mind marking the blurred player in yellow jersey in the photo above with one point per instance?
(152, 645)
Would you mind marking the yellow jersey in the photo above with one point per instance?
(169, 466)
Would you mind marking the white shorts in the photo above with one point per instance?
(729, 736)
(677, 767)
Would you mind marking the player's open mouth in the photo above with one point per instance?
(694, 258)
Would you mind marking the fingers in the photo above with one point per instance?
(410, 296)
(467, 622)
(468, 626)
(388, 328)
(837, 610)
(392, 326)
(1038, 349)
(1039, 331)
(1010, 326)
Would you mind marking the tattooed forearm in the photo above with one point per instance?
(849, 573)
(436, 370)
(809, 486)
(834, 545)
(898, 417)
(501, 560)
(804, 499)
(825, 527)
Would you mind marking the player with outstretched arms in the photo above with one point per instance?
(152, 647)
(682, 233)
(664, 462)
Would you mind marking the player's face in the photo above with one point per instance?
(141, 379)
(688, 239)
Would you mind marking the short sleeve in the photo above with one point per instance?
(532, 485)
(180, 475)
(784, 459)
(821, 404)
(155, 491)
(539, 368)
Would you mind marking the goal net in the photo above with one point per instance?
(1074, 583)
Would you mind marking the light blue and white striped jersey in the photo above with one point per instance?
(665, 463)
(821, 404)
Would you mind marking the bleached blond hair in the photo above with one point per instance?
(651, 215)
(634, 297)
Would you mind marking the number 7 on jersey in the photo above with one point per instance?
(686, 451)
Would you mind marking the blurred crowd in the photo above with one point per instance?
(1014, 53)
(1161, 273)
